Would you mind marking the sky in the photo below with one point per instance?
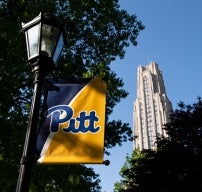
(172, 38)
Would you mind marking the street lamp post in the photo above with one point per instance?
(45, 38)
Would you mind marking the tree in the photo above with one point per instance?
(136, 172)
(176, 163)
(98, 32)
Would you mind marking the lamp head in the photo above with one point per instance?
(45, 39)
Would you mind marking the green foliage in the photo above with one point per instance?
(176, 165)
(98, 32)
(136, 172)
(186, 126)
(68, 178)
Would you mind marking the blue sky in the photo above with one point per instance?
(173, 38)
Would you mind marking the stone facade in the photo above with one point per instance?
(152, 108)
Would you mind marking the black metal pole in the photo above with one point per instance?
(28, 159)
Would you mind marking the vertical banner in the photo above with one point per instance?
(73, 127)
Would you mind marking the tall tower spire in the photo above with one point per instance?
(152, 108)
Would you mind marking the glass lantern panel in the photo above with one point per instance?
(33, 41)
(58, 48)
(49, 39)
